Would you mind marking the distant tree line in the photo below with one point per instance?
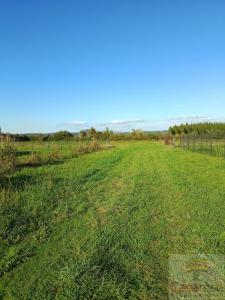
(198, 129)
(107, 134)
(89, 134)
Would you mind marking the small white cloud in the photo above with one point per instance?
(188, 118)
(125, 122)
(78, 123)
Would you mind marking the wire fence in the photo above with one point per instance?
(208, 144)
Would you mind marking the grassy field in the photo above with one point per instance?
(103, 225)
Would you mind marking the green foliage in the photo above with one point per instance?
(20, 137)
(109, 135)
(88, 148)
(36, 137)
(91, 133)
(198, 128)
(34, 160)
(7, 158)
(62, 136)
(83, 134)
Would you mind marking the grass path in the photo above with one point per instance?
(102, 226)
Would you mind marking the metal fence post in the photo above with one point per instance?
(201, 142)
(211, 146)
(224, 148)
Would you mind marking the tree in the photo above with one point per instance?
(92, 133)
(107, 133)
(62, 136)
(82, 134)
(172, 130)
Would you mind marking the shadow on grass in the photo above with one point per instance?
(23, 153)
(17, 182)
(21, 182)
(33, 164)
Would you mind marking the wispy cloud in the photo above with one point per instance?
(125, 122)
(218, 119)
(78, 123)
(188, 118)
(107, 123)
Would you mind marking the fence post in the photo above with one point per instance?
(201, 142)
(211, 146)
(224, 148)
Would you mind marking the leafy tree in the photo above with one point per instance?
(82, 134)
(198, 128)
(62, 136)
(92, 133)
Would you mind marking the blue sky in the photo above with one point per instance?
(118, 63)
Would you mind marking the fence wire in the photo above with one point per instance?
(208, 144)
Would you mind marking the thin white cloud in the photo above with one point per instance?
(78, 123)
(119, 122)
(218, 119)
(126, 122)
(116, 125)
(188, 118)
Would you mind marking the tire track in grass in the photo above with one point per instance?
(145, 209)
(164, 222)
(142, 196)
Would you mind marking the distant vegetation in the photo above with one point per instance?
(90, 134)
(198, 128)
(135, 134)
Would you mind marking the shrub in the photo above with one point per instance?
(7, 158)
(167, 140)
(34, 160)
(92, 147)
(53, 157)
(61, 136)
(37, 159)
(83, 149)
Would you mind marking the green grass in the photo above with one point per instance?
(103, 225)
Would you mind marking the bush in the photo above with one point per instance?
(83, 149)
(92, 147)
(34, 160)
(37, 159)
(53, 157)
(61, 136)
(7, 158)
(167, 140)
